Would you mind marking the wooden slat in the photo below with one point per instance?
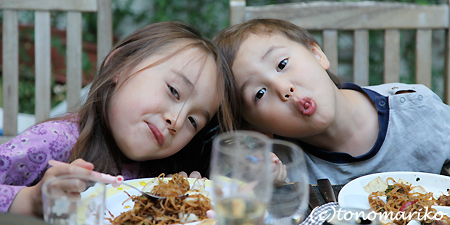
(423, 57)
(4, 139)
(73, 62)
(43, 69)
(447, 67)
(361, 58)
(330, 48)
(391, 56)
(10, 54)
(42, 52)
(104, 30)
(49, 5)
(446, 72)
(237, 11)
(355, 15)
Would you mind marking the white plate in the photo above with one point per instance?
(352, 195)
(116, 196)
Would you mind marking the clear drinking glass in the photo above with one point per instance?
(289, 200)
(74, 200)
(240, 171)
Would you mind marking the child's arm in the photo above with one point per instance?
(24, 158)
(279, 172)
(29, 199)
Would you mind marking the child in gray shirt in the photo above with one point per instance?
(346, 130)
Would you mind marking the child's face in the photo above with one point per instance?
(155, 113)
(284, 86)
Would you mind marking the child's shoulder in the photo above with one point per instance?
(67, 125)
(55, 137)
(397, 88)
(60, 122)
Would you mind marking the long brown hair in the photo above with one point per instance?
(230, 39)
(96, 143)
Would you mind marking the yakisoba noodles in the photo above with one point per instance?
(181, 204)
(401, 198)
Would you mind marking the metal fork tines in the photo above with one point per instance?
(143, 193)
(148, 194)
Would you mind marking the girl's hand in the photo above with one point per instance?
(29, 200)
(279, 173)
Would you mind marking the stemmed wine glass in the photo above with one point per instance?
(240, 171)
(289, 199)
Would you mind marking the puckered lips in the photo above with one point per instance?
(307, 106)
(157, 134)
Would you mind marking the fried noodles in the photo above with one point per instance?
(401, 198)
(177, 207)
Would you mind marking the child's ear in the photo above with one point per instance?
(116, 79)
(320, 56)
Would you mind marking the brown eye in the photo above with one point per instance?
(282, 64)
(193, 122)
(174, 92)
(260, 94)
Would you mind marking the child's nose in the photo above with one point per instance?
(285, 90)
(174, 121)
(289, 93)
(171, 126)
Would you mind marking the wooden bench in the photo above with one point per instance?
(42, 8)
(359, 18)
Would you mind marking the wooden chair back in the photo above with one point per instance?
(10, 42)
(360, 17)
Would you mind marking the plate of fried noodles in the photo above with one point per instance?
(406, 195)
(186, 202)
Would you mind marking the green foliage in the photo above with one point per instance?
(27, 91)
(422, 2)
(267, 2)
(376, 58)
(208, 16)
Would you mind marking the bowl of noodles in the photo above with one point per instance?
(400, 197)
(186, 201)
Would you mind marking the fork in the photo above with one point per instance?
(115, 181)
(144, 193)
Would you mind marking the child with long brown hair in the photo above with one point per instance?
(158, 99)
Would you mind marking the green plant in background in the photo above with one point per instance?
(27, 71)
(208, 16)
(26, 63)
(407, 51)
